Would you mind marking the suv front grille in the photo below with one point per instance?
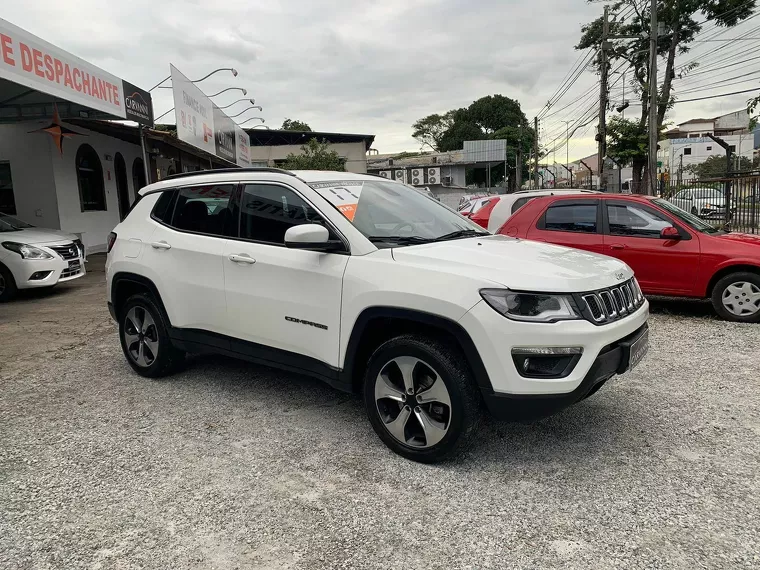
(612, 303)
(69, 251)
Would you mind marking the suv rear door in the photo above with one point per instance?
(573, 223)
(185, 253)
(281, 299)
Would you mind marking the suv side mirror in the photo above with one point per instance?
(313, 237)
(670, 233)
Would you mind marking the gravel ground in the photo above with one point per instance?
(229, 466)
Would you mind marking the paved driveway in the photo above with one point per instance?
(230, 466)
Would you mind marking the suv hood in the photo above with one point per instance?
(519, 264)
(36, 236)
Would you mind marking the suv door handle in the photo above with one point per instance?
(160, 245)
(242, 258)
(617, 246)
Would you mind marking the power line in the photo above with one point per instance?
(755, 90)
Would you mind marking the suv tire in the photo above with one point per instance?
(736, 297)
(435, 390)
(145, 338)
(7, 284)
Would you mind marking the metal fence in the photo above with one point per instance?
(708, 199)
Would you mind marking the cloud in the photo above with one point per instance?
(339, 65)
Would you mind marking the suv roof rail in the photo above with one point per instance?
(225, 170)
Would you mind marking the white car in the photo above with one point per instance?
(33, 257)
(702, 202)
(473, 205)
(510, 203)
(377, 290)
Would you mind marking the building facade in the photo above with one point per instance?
(690, 143)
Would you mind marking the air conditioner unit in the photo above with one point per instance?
(433, 175)
(399, 175)
(418, 176)
(386, 174)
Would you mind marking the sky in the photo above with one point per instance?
(370, 67)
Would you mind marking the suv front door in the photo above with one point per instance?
(632, 234)
(573, 223)
(278, 298)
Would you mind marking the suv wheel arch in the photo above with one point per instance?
(124, 285)
(376, 325)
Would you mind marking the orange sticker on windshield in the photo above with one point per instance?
(348, 210)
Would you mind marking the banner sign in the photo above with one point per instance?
(243, 147)
(204, 125)
(30, 61)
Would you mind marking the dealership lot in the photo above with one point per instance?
(226, 465)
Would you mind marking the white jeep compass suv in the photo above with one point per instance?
(375, 289)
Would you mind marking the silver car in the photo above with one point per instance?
(702, 202)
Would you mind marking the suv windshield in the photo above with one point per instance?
(394, 214)
(11, 224)
(689, 219)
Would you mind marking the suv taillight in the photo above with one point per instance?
(111, 241)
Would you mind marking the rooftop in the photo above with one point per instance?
(276, 137)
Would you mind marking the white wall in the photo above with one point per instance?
(31, 172)
(354, 153)
(94, 226)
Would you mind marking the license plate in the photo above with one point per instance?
(638, 350)
(74, 264)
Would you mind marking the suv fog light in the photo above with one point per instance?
(546, 362)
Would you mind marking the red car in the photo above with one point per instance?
(483, 214)
(672, 252)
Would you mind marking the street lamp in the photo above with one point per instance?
(247, 109)
(251, 101)
(251, 119)
(243, 91)
(263, 126)
(234, 74)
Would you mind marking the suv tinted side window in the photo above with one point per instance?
(198, 209)
(164, 207)
(269, 210)
(571, 218)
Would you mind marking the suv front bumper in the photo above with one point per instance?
(613, 359)
(603, 346)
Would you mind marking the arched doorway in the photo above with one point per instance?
(89, 171)
(122, 187)
(138, 175)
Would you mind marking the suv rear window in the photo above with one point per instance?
(164, 207)
(199, 209)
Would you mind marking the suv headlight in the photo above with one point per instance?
(27, 251)
(532, 307)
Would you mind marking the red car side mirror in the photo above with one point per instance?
(670, 233)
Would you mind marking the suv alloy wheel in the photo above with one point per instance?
(420, 398)
(145, 338)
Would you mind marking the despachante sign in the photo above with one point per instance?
(28, 60)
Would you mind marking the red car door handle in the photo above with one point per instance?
(617, 246)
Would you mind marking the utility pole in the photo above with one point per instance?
(602, 134)
(567, 151)
(518, 160)
(623, 113)
(652, 99)
(535, 150)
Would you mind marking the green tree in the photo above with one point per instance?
(715, 166)
(627, 143)
(490, 117)
(682, 20)
(293, 125)
(429, 130)
(315, 156)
